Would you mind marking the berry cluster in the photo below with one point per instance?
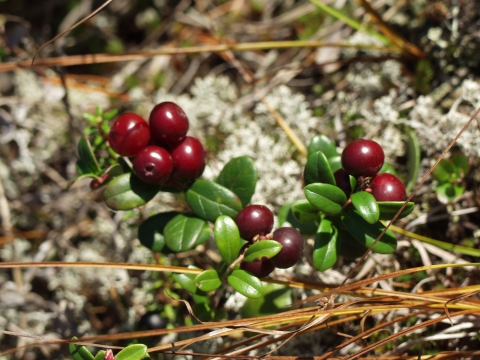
(255, 222)
(161, 149)
(364, 159)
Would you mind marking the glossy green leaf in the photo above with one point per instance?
(100, 355)
(183, 233)
(261, 250)
(304, 212)
(150, 232)
(367, 233)
(132, 352)
(324, 144)
(447, 192)
(276, 298)
(187, 281)
(366, 206)
(286, 215)
(326, 198)
(240, 176)
(335, 162)
(317, 170)
(88, 163)
(388, 209)
(348, 246)
(79, 352)
(413, 159)
(209, 200)
(326, 247)
(246, 284)
(208, 280)
(462, 162)
(227, 238)
(126, 192)
(387, 168)
(446, 171)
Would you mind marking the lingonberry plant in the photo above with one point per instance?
(343, 206)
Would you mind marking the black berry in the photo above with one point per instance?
(129, 134)
(153, 165)
(387, 187)
(254, 220)
(292, 249)
(362, 158)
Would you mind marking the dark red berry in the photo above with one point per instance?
(129, 134)
(153, 165)
(169, 123)
(362, 158)
(387, 187)
(292, 249)
(259, 268)
(254, 220)
(188, 159)
(342, 180)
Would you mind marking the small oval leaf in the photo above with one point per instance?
(304, 211)
(262, 250)
(126, 192)
(349, 247)
(326, 198)
(246, 284)
(326, 247)
(150, 231)
(208, 280)
(324, 144)
(240, 176)
(227, 238)
(286, 215)
(88, 162)
(335, 162)
(183, 233)
(388, 209)
(447, 192)
(209, 200)
(317, 170)
(366, 206)
(366, 233)
(132, 352)
(446, 171)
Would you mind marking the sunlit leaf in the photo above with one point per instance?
(366, 206)
(184, 232)
(326, 198)
(126, 192)
(326, 247)
(227, 238)
(208, 280)
(317, 170)
(261, 250)
(240, 176)
(246, 284)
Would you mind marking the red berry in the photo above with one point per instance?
(292, 249)
(362, 158)
(153, 165)
(259, 268)
(342, 180)
(129, 134)
(188, 159)
(387, 187)
(169, 123)
(254, 220)
(96, 183)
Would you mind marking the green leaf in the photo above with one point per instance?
(209, 200)
(183, 233)
(366, 206)
(446, 171)
(349, 247)
(304, 212)
(246, 284)
(326, 198)
(367, 233)
(462, 162)
(286, 215)
(88, 162)
(276, 298)
(387, 168)
(79, 352)
(261, 250)
(150, 232)
(326, 247)
(132, 352)
(413, 159)
(324, 144)
(208, 280)
(187, 281)
(240, 176)
(100, 355)
(126, 192)
(447, 192)
(317, 170)
(335, 162)
(110, 114)
(227, 238)
(388, 209)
